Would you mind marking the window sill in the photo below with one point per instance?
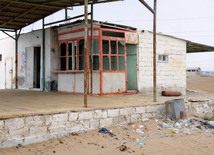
(68, 72)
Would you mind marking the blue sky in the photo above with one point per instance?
(189, 19)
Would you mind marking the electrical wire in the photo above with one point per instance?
(192, 31)
(139, 20)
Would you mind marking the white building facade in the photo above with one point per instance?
(123, 60)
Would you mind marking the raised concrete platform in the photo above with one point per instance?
(18, 103)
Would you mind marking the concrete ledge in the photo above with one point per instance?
(32, 129)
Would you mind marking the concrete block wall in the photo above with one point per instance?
(32, 129)
(200, 107)
(171, 75)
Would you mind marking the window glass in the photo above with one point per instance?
(105, 46)
(70, 63)
(63, 64)
(106, 63)
(95, 46)
(70, 49)
(95, 62)
(81, 47)
(114, 63)
(113, 47)
(121, 63)
(63, 49)
(163, 58)
(113, 34)
(121, 47)
(81, 63)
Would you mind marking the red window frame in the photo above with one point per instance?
(117, 39)
(77, 54)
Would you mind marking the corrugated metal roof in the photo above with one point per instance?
(16, 14)
(102, 24)
(192, 47)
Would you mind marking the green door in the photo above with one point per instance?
(131, 51)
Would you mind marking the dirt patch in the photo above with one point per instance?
(201, 84)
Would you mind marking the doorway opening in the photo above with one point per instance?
(8, 72)
(131, 51)
(37, 61)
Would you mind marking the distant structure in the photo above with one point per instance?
(193, 71)
(207, 74)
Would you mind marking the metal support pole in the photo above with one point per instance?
(154, 11)
(147, 6)
(16, 60)
(43, 54)
(66, 13)
(154, 54)
(86, 55)
(92, 45)
(10, 35)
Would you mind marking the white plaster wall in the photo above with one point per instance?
(96, 82)
(66, 82)
(34, 39)
(75, 27)
(76, 34)
(170, 76)
(7, 49)
(74, 82)
(114, 82)
(54, 54)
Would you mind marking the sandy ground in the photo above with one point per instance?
(201, 84)
(200, 88)
(157, 141)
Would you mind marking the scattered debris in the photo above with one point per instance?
(106, 131)
(61, 142)
(207, 131)
(123, 148)
(74, 134)
(93, 144)
(18, 146)
(142, 143)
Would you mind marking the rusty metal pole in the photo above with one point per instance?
(154, 54)
(43, 54)
(154, 11)
(92, 45)
(86, 55)
(16, 60)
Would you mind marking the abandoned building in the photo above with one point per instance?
(53, 59)
(122, 60)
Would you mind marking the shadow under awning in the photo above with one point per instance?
(196, 47)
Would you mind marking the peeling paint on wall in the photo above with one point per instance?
(131, 38)
(22, 62)
(21, 69)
